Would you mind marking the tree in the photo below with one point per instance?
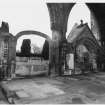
(45, 50)
(35, 49)
(26, 47)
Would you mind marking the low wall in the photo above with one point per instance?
(31, 68)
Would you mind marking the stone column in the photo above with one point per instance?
(12, 55)
(59, 13)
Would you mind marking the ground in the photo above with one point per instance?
(2, 98)
(81, 89)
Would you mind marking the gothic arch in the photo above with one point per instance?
(27, 32)
(89, 43)
(95, 27)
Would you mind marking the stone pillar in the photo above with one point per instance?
(12, 55)
(59, 13)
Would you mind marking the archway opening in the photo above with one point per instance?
(37, 60)
(79, 12)
(85, 57)
(35, 40)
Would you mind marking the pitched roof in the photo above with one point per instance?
(75, 32)
(83, 31)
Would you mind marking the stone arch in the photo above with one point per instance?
(92, 45)
(72, 20)
(89, 43)
(93, 48)
(29, 32)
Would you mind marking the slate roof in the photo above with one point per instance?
(80, 31)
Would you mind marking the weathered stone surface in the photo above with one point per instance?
(88, 89)
(59, 13)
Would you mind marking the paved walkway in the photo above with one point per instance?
(89, 89)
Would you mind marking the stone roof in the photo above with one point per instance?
(75, 32)
(81, 31)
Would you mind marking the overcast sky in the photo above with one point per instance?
(33, 15)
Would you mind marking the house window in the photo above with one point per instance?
(5, 48)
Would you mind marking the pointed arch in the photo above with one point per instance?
(76, 15)
(91, 45)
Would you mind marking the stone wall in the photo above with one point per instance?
(32, 68)
(95, 28)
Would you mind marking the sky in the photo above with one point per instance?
(33, 15)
